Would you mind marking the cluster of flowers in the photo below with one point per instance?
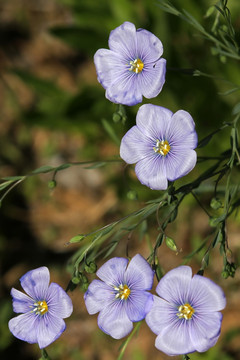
(161, 143)
(185, 315)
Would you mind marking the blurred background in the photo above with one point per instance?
(53, 111)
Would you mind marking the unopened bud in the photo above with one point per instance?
(215, 203)
(52, 184)
(90, 268)
(171, 244)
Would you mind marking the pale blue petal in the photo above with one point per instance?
(138, 304)
(112, 272)
(122, 40)
(98, 296)
(152, 78)
(152, 172)
(205, 295)
(179, 162)
(175, 339)
(182, 133)
(149, 47)
(153, 121)
(139, 275)
(49, 329)
(205, 330)
(161, 315)
(24, 327)
(35, 283)
(21, 302)
(135, 146)
(114, 321)
(174, 286)
(58, 301)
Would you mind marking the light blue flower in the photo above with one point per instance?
(43, 309)
(133, 66)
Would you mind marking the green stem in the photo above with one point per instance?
(125, 344)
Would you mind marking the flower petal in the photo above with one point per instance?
(151, 172)
(153, 121)
(152, 78)
(149, 47)
(139, 275)
(205, 330)
(122, 40)
(35, 282)
(135, 146)
(182, 131)
(174, 286)
(114, 321)
(112, 272)
(161, 315)
(175, 339)
(138, 305)
(24, 327)
(205, 295)
(49, 329)
(59, 303)
(179, 162)
(21, 301)
(98, 296)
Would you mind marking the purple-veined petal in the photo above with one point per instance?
(21, 302)
(112, 272)
(58, 301)
(122, 40)
(114, 321)
(161, 315)
(24, 327)
(125, 89)
(152, 172)
(205, 295)
(179, 162)
(109, 66)
(149, 47)
(49, 329)
(182, 131)
(175, 339)
(98, 296)
(135, 146)
(205, 330)
(152, 78)
(35, 282)
(139, 275)
(174, 286)
(153, 121)
(138, 304)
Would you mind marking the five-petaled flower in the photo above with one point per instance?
(121, 295)
(43, 309)
(186, 316)
(161, 144)
(133, 66)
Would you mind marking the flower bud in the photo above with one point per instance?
(91, 267)
(171, 244)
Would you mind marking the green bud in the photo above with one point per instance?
(171, 244)
(90, 268)
(77, 238)
(225, 274)
(116, 117)
(52, 184)
(75, 280)
(132, 195)
(215, 203)
(84, 279)
(84, 287)
(213, 221)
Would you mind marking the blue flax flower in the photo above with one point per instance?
(161, 144)
(186, 316)
(133, 66)
(43, 309)
(121, 296)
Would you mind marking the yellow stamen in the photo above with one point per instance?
(186, 312)
(136, 66)
(123, 292)
(162, 147)
(40, 308)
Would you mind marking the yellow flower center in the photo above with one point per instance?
(40, 307)
(162, 147)
(136, 66)
(123, 292)
(185, 312)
